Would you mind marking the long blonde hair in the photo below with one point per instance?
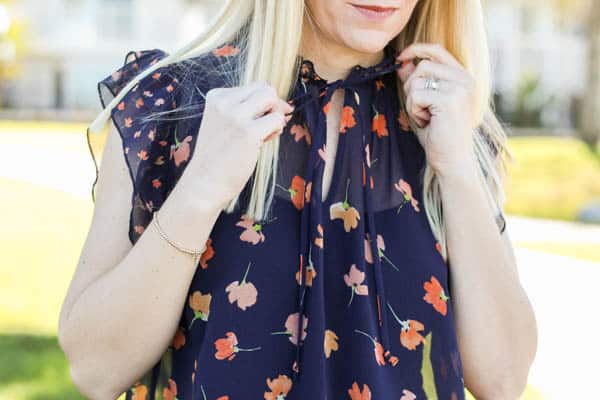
(270, 49)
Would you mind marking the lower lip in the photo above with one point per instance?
(374, 15)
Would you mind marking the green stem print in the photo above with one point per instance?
(367, 335)
(406, 200)
(291, 191)
(198, 315)
(246, 274)
(382, 255)
(404, 324)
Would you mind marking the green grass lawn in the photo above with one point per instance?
(551, 177)
(40, 246)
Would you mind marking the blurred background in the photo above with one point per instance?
(546, 63)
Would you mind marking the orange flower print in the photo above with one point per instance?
(179, 339)
(380, 249)
(243, 292)
(354, 280)
(156, 183)
(356, 394)
(279, 388)
(404, 187)
(291, 328)
(200, 304)
(300, 132)
(435, 295)
(408, 395)
(226, 51)
(409, 334)
(379, 84)
(140, 392)
(139, 103)
(170, 393)
(128, 122)
(207, 254)
(227, 347)
(342, 210)
(377, 347)
(252, 232)
(347, 119)
(330, 343)
(379, 125)
(180, 150)
(403, 120)
(296, 191)
(310, 271)
(121, 106)
(326, 107)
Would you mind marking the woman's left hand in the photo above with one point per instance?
(443, 117)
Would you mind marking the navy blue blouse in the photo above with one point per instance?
(346, 298)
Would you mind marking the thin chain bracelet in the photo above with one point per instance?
(196, 254)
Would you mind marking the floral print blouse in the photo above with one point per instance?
(346, 298)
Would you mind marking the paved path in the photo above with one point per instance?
(563, 291)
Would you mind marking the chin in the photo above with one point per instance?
(367, 42)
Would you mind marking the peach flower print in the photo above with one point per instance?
(404, 187)
(252, 231)
(342, 210)
(409, 334)
(380, 249)
(407, 395)
(200, 304)
(279, 388)
(180, 150)
(330, 343)
(354, 280)
(356, 394)
(291, 328)
(227, 347)
(243, 292)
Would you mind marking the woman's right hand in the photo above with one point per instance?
(236, 123)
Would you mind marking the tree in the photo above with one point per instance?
(590, 116)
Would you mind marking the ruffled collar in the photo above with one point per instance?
(358, 73)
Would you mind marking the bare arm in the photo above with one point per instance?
(495, 322)
(124, 302)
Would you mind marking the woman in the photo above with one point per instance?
(303, 253)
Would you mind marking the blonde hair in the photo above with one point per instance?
(270, 49)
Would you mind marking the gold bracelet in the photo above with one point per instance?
(196, 254)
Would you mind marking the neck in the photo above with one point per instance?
(332, 60)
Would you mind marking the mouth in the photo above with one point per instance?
(374, 12)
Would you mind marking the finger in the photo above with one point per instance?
(263, 127)
(420, 84)
(238, 94)
(263, 101)
(432, 51)
(423, 114)
(428, 68)
(406, 70)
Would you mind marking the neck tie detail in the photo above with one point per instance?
(312, 103)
